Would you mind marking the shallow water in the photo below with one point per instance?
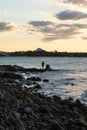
(68, 78)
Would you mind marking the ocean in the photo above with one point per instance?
(67, 79)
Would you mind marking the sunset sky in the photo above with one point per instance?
(48, 24)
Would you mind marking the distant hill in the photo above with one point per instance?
(40, 50)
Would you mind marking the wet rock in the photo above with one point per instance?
(45, 80)
(72, 84)
(37, 86)
(25, 109)
(34, 79)
(66, 83)
(8, 68)
(10, 75)
(28, 110)
(28, 81)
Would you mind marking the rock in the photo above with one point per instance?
(18, 124)
(81, 122)
(28, 110)
(10, 75)
(71, 99)
(37, 86)
(2, 128)
(29, 82)
(17, 115)
(8, 68)
(44, 109)
(45, 80)
(13, 102)
(2, 96)
(56, 126)
(34, 79)
(78, 103)
(72, 84)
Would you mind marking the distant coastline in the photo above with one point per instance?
(43, 54)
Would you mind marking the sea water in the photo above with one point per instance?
(67, 79)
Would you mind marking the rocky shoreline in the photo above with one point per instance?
(22, 108)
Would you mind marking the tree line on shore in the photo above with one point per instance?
(44, 53)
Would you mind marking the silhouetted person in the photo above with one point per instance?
(43, 64)
(48, 67)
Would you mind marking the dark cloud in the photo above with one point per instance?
(77, 2)
(79, 26)
(7, 26)
(63, 30)
(55, 31)
(40, 23)
(62, 34)
(71, 15)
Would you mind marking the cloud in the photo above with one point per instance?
(7, 27)
(40, 23)
(62, 34)
(62, 31)
(84, 38)
(77, 25)
(71, 15)
(76, 2)
(54, 31)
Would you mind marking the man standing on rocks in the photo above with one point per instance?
(43, 64)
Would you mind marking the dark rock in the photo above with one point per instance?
(25, 109)
(56, 126)
(72, 84)
(37, 86)
(17, 115)
(10, 75)
(71, 99)
(28, 81)
(66, 83)
(2, 128)
(78, 103)
(28, 110)
(45, 80)
(34, 79)
(44, 109)
(81, 122)
(18, 124)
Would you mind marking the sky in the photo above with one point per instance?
(48, 24)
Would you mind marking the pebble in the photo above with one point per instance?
(28, 110)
